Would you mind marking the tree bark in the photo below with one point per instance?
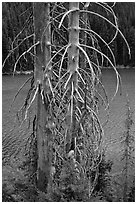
(73, 63)
(42, 57)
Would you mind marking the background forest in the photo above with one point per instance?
(17, 19)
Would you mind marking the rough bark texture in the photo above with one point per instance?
(43, 54)
(73, 63)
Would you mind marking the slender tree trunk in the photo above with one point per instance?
(85, 19)
(73, 63)
(126, 155)
(42, 57)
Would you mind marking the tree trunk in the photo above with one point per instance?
(42, 57)
(84, 37)
(73, 63)
(126, 155)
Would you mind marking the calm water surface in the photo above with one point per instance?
(113, 129)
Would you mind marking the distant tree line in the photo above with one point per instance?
(125, 12)
(17, 33)
(17, 24)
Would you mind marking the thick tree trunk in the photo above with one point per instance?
(84, 37)
(43, 54)
(73, 63)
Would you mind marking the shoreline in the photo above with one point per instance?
(31, 72)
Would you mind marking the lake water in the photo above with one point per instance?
(113, 129)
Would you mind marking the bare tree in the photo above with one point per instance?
(42, 58)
